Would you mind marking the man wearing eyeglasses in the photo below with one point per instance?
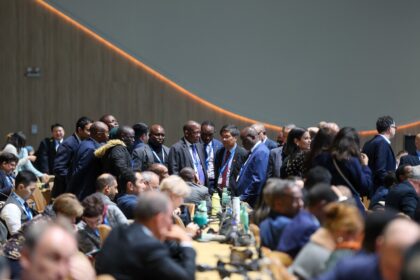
(379, 150)
(86, 168)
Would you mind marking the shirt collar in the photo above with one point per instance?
(188, 143)
(386, 139)
(255, 146)
(18, 198)
(233, 148)
(147, 231)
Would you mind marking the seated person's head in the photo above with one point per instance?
(160, 169)
(25, 184)
(93, 210)
(134, 183)
(375, 224)
(107, 184)
(68, 206)
(283, 197)
(154, 210)
(318, 197)
(188, 175)
(47, 251)
(390, 179)
(344, 222)
(8, 162)
(176, 189)
(403, 172)
(316, 175)
(151, 180)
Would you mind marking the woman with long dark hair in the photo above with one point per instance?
(297, 146)
(347, 165)
(320, 143)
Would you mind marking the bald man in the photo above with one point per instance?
(386, 263)
(154, 152)
(86, 168)
(262, 135)
(189, 152)
(413, 159)
(253, 173)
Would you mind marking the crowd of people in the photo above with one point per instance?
(338, 210)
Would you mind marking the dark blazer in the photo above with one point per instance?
(130, 253)
(381, 158)
(45, 156)
(143, 157)
(117, 161)
(411, 159)
(270, 144)
(180, 157)
(253, 175)
(402, 198)
(275, 162)
(238, 160)
(86, 168)
(62, 164)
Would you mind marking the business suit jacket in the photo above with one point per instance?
(130, 253)
(275, 162)
(411, 159)
(238, 160)
(143, 157)
(86, 168)
(63, 163)
(45, 156)
(180, 157)
(270, 144)
(253, 175)
(381, 158)
(402, 198)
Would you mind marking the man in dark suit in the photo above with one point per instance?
(229, 159)
(253, 173)
(47, 150)
(262, 134)
(86, 168)
(403, 196)
(65, 153)
(188, 152)
(8, 162)
(210, 148)
(137, 251)
(153, 152)
(414, 158)
(379, 150)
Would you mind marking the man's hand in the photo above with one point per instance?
(178, 234)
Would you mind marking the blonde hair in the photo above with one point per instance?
(342, 216)
(174, 185)
(68, 205)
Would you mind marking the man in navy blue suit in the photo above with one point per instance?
(210, 146)
(379, 150)
(65, 153)
(253, 173)
(86, 167)
(414, 158)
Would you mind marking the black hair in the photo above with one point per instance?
(232, 129)
(209, 123)
(25, 178)
(140, 129)
(375, 224)
(384, 123)
(8, 157)
(291, 147)
(321, 192)
(316, 175)
(128, 176)
(346, 144)
(17, 139)
(82, 122)
(320, 143)
(55, 125)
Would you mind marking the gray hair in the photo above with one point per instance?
(148, 176)
(275, 188)
(150, 204)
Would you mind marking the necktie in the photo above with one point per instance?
(57, 144)
(225, 171)
(28, 210)
(198, 165)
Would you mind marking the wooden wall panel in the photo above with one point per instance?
(81, 76)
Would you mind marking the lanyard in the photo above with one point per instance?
(209, 153)
(158, 158)
(232, 153)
